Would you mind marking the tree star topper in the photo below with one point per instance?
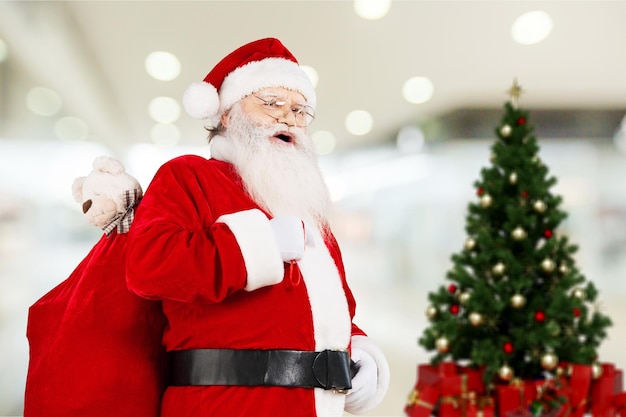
(515, 92)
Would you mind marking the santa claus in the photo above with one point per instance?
(238, 248)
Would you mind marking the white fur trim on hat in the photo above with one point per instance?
(269, 72)
(201, 100)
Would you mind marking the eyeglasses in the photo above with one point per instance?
(277, 107)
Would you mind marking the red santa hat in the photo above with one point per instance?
(260, 64)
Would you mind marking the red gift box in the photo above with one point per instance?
(446, 386)
(604, 388)
(482, 409)
(619, 405)
(517, 395)
(578, 384)
(451, 379)
(421, 401)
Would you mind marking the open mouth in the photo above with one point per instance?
(284, 136)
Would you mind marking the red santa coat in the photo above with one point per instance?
(204, 248)
(95, 347)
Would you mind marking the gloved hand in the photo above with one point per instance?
(364, 383)
(291, 236)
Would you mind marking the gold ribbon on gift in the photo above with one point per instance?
(519, 384)
(460, 401)
(414, 399)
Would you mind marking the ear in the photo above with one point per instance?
(77, 189)
(108, 164)
(225, 119)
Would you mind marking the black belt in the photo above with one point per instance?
(328, 369)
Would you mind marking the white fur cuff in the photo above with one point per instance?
(254, 235)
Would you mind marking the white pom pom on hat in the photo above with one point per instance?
(201, 100)
(257, 65)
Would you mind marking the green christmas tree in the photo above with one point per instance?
(516, 304)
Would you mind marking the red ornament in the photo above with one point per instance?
(540, 316)
(480, 191)
(576, 312)
(524, 194)
(508, 348)
(454, 309)
(548, 233)
(451, 288)
(521, 121)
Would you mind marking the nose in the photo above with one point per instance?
(86, 206)
(288, 118)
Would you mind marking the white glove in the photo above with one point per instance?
(291, 236)
(364, 383)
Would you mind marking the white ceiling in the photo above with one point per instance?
(93, 52)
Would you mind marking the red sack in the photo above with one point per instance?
(95, 348)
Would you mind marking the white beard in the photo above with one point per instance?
(283, 178)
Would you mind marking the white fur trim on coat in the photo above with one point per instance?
(331, 317)
(221, 149)
(264, 265)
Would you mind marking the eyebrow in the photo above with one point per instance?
(272, 94)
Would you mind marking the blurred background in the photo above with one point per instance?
(409, 95)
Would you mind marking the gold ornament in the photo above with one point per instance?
(499, 268)
(486, 200)
(475, 318)
(518, 233)
(579, 293)
(506, 131)
(539, 206)
(549, 361)
(513, 178)
(431, 312)
(563, 269)
(518, 300)
(547, 265)
(464, 297)
(596, 370)
(442, 344)
(470, 243)
(506, 372)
